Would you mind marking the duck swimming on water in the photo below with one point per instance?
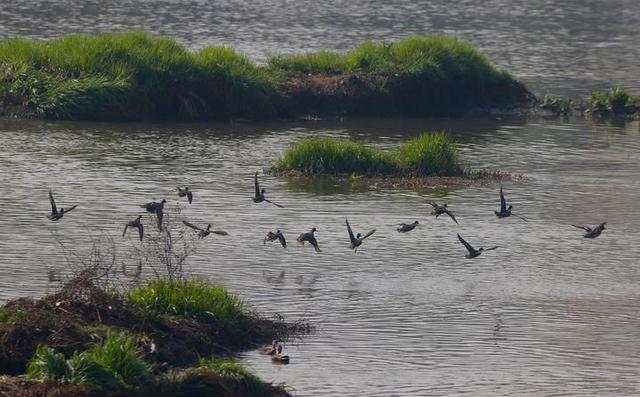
(504, 210)
(205, 232)
(356, 241)
(271, 236)
(310, 238)
(592, 232)
(442, 209)
(472, 251)
(407, 227)
(55, 214)
(259, 193)
(185, 192)
(279, 356)
(137, 223)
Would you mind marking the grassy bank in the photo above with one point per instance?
(160, 339)
(425, 155)
(137, 76)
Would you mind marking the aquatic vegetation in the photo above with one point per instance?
(426, 154)
(192, 298)
(616, 101)
(138, 76)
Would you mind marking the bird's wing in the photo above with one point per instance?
(70, 208)
(220, 232)
(54, 209)
(276, 204)
(467, 245)
(160, 215)
(352, 238)
(282, 240)
(140, 230)
(368, 234)
(270, 236)
(124, 232)
(503, 202)
(314, 242)
(190, 196)
(520, 217)
(256, 185)
(451, 215)
(490, 249)
(434, 205)
(585, 228)
(191, 225)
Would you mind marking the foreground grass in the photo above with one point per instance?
(137, 76)
(425, 155)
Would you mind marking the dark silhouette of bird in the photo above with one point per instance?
(271, 236)
(407, 227)
(592, 232)
(310, 238)
(356, 241)
(185, 192)
(442, 209)
(472, 251)
(259, 193)
(205, 232)
(504, 210)
(55, 214)
(137, 223)
(156, 208)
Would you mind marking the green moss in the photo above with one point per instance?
(426, 154)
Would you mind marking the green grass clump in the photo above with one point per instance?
(615, 101)
(9, 315)
(113, 363)
(426, 154)
(235, 373)
(193, 298)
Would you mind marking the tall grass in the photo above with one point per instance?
(134, 76)
(193, 298)
(113, 363)
(236, 374)
(426, 154)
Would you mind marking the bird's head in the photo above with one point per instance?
(510, 207)
(163, 201)
(314, 230)
(416, 223)
(208, 226)
(358, 235)
(263, 191)
(481, 249)
(278, 231)
(445, 205)
(139, 217)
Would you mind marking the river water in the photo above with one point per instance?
(547, 313)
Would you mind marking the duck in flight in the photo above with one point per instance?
(137, 223)
(356, 241)
(156, 208)
(259, 193)
(310, 238)
(55, 214)
(271, 236)
(592, 232)
(442, 209)
(472, 251)
(504, 210)
(205, 232)
(407, 227)
(185, 192)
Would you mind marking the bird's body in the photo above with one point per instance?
(310, 238)
(472, 251)
(259, 193)
(592, 232)
(56, 214)
(137, 223)
(202, 233)
(156, 208)
(407, 227)
(505, 211)
(271, 236)
(442, 209)
(356, 240)
(279, 356)
(185, 192)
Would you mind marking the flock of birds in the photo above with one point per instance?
(356, 240)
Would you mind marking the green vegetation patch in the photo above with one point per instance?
(235, 373)
(192, 298)
(425, 155)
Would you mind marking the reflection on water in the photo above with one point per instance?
(560, 47)
(549, 312)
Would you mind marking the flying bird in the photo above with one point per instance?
(137, 223)
(205, 232)
(592, 232)
(407, 227)
(504, 210)
(472, 251)
(271, 236)
(259, 193)
(156, 208)
(55, 214)
(310, 238)
(185, 192)
(356, 241)
(442, 209)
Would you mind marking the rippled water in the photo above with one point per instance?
(558, 47)
(548, 313)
